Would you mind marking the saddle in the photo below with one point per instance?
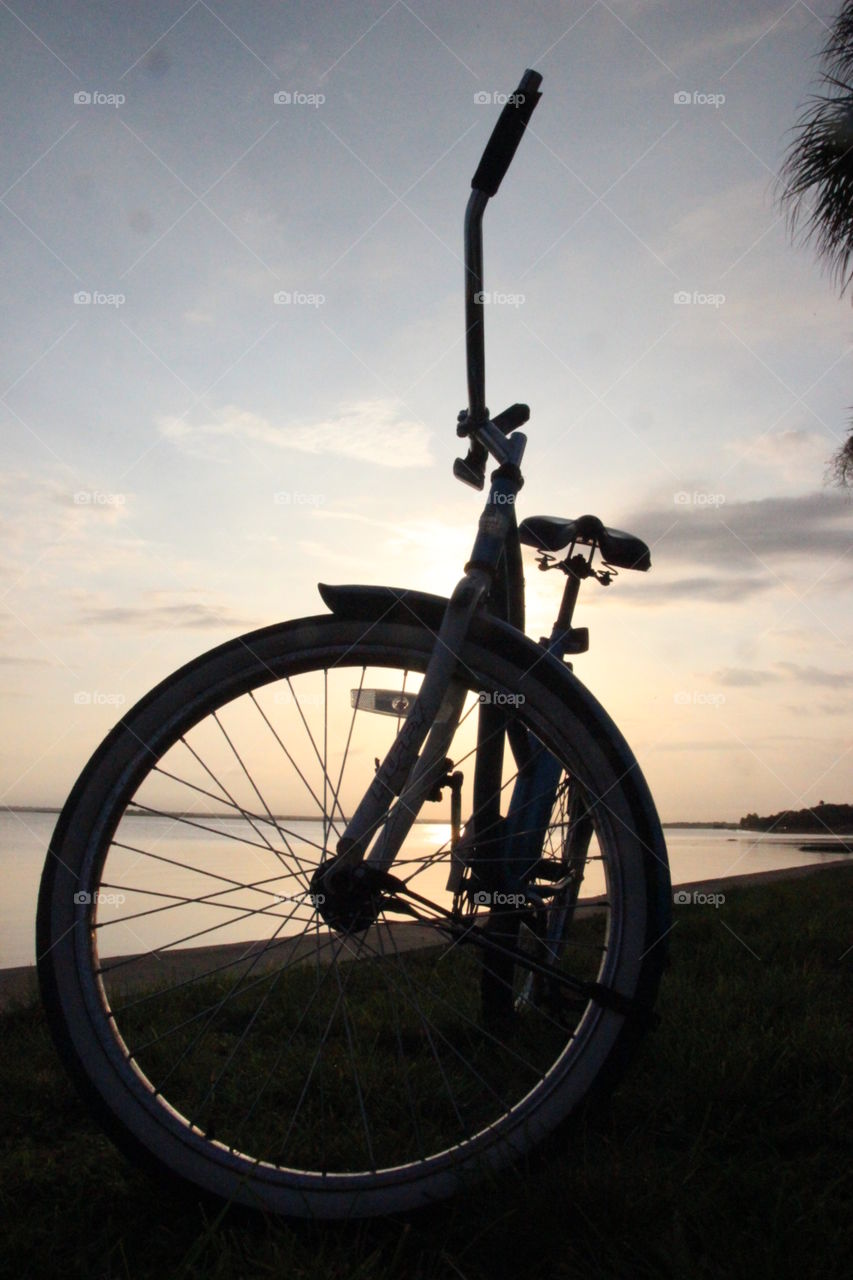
(618, 549)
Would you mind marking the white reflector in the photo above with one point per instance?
(385, 702)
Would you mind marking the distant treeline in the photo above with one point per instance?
(823, 818)
(703, 826)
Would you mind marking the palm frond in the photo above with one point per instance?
(840, 469)
(815, 186)
(818, 183)
(816, 178)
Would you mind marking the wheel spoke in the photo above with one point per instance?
(312, 1030)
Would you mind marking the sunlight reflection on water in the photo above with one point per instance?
(695, 854)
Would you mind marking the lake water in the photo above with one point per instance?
(695, 854)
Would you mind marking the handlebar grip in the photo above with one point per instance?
(515, 416)
(472, 469)
(507, 134)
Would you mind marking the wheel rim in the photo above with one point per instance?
(311, 1056)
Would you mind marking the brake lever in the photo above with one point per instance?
(471, 469)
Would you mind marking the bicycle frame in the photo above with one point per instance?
(417, 758)
(435, 713)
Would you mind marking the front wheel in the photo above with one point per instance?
(231, 1028)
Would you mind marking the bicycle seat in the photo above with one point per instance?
(552, 533)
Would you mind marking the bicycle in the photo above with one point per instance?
(310, 936)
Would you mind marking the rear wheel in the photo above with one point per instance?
(268, 1048)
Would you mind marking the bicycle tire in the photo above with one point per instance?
(105, 1025)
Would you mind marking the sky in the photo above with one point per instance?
(233, 356)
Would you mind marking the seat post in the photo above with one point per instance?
(564, 637)
(567, 604)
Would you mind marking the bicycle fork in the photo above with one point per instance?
(408, 774)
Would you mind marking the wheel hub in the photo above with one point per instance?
(347, 897)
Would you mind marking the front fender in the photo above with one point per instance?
(420, 608)
(388, 604)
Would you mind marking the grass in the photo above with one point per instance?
(724, 1153)
(236, 1050)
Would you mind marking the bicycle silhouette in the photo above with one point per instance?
(310, 935)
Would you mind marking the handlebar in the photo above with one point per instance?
(507, 134)
(495, 161)
(472, 469)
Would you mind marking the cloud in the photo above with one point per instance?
(713, 218)
(732, 535)
(746, 677)
(818, 675)
(156, 617)
(366, 431)
(792, 453)
(707, 589)
(87, 504)
(55, 524)
(13, 660)
(724, 39)
(839, 708)
(734, 550)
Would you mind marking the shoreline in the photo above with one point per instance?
(785, 836)
(18, 985)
